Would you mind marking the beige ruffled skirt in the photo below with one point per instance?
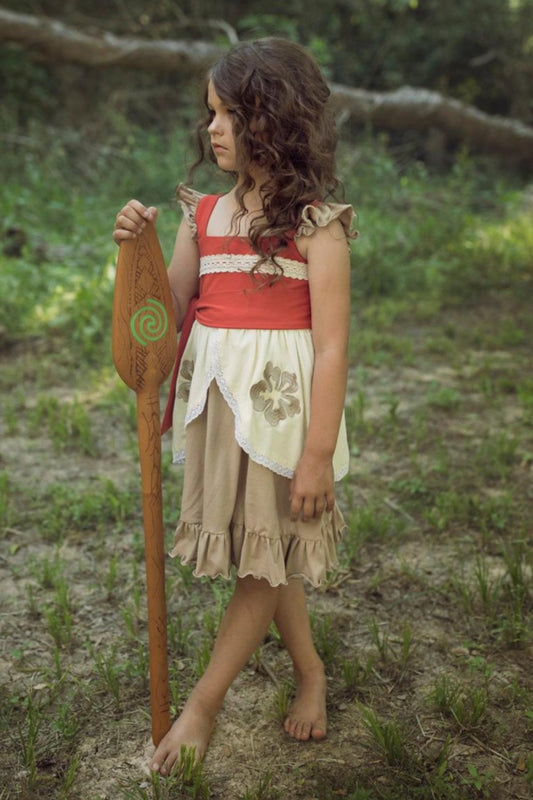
(235, 512)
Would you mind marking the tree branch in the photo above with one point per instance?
(423, 109)
(55, 41)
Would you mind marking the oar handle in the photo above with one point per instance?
(149, 434)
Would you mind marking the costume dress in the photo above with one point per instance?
(241, 410)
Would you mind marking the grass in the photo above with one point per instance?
(187, 781)
(466, 705)
(263, 791)
(426, 624)
(67, 424)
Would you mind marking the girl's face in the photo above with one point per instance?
(220, 131)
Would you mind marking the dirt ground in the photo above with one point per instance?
(407, 571)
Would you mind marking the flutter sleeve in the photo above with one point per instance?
(188, 199)
(321, 214)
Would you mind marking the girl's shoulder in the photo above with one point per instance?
(321, 214)
(194, 203)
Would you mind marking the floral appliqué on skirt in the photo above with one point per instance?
(274, 396)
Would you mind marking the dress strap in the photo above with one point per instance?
(204, 210)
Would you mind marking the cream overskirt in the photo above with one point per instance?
(265, 377)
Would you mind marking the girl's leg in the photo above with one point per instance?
(243, 626)
(307, 716)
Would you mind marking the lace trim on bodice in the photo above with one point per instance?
(230, 262)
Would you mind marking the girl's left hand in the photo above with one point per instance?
(131, 220)
(312, 488)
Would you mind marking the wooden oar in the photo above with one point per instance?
(144, 350)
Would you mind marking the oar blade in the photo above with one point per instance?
(144, 336)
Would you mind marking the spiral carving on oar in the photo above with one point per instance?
(150, 322)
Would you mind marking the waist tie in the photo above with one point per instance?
(232, 301)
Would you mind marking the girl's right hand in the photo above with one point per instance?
(131, 220)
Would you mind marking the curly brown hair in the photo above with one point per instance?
(282, 123)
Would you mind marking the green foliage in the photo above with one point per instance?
(186, 781)
(326, 637)
(67, 423)
(70, 511)
(355, 673)
(456, 48)
(59, 283)
(454, 237)
(451, 237)
(466, 706)
(5, 500)
(389, 737)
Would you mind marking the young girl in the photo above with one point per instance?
(258, 401)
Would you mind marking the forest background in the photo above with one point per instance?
(426, 625)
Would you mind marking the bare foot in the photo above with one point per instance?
(307, 717)
(192, 729)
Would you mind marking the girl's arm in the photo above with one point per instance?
(328, 257)
(183, 271)
(185, 262)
